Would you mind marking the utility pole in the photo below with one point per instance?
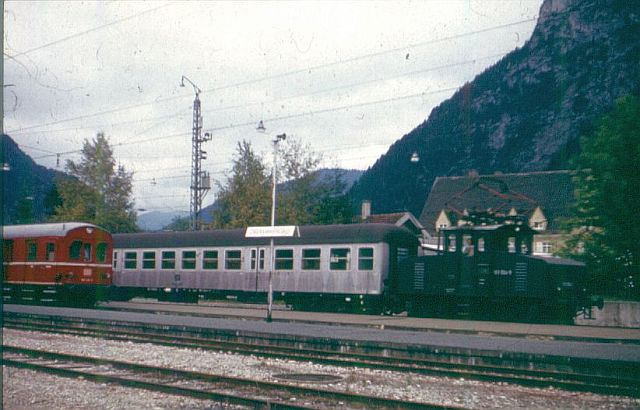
(200, 180)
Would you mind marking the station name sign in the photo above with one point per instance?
(272, 231)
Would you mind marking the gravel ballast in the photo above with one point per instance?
(23, 389)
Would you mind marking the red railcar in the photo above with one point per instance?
(58, 263)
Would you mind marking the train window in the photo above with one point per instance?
(402, 254)
(365, 259)
(86, 252)
(168, 260)
(511, 244)
(284, 259)
(452, 243)
(480, 244)
(311, 259)
(32, 250)
(130, 260)
(115, 260)
(340, 259)
(101, 252)
(467, 245)
(233, 259)
(188, 260)
(149, 260)
(210, 260)
(7, 250)
(51, 251)
(74, 250)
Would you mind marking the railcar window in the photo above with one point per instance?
(130, 260)
(149, 260)
(86, 254)
(340, 259)
(452, 243)
(257, 255)
(168, 260)
(74, 250)
(511, 244)
(101, 252)
(7, 250)
(189, 260)
(32, 250)
(233, 260)
(51, 251)
(311, 259)
(115, 260)
(210, 260)
(467, 245)
(402, 254)
(284, 259)
(365, 259)
(480, 243)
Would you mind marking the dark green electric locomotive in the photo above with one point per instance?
(489, 272)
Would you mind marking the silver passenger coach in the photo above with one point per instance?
(326, 264)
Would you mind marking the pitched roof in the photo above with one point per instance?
(552, 191)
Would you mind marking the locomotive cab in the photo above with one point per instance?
(489, 272)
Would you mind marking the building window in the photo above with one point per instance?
(168, 260)
(74, 250)
(189, 260)
(149, 260)
(130, 260)
(340, 259)
(51, 251)
(538, 225)
(284, 259)
(311, 259)
(210, 260)
(32, 250)
(233, 260)
(547, 247)
(365, 259)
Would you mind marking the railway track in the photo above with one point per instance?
(619, 381)
(231, 390)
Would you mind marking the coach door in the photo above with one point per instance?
(258, 268)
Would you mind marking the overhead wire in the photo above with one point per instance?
(283, 75)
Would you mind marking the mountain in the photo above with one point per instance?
(155, 220)
(525, 113)
(347, 176)
(27, 188)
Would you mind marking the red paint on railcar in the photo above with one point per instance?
(63, 256)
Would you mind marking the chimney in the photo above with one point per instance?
(366, 209)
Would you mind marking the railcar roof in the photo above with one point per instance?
(487, 228)
(51, 229)
(309, 234)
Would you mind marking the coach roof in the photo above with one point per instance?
(310, 234)
(35, 230)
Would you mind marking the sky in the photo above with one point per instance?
(347, 79)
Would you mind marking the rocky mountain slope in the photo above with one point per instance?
(26, 191)
(527, 112)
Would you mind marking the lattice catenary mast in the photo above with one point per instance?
(200, 180)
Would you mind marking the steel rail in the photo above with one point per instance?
(203, 385)
(619, 384)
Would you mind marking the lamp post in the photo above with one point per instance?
(274, 182)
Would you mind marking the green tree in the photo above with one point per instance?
(303, 197)
(608, 200)
(244, 200)
(98, 191)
